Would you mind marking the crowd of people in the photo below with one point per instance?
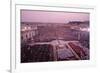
(36, 53)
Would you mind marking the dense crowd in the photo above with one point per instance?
(36, 53)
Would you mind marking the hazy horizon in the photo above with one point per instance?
(52, 17)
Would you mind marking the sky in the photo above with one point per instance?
(52, 17)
